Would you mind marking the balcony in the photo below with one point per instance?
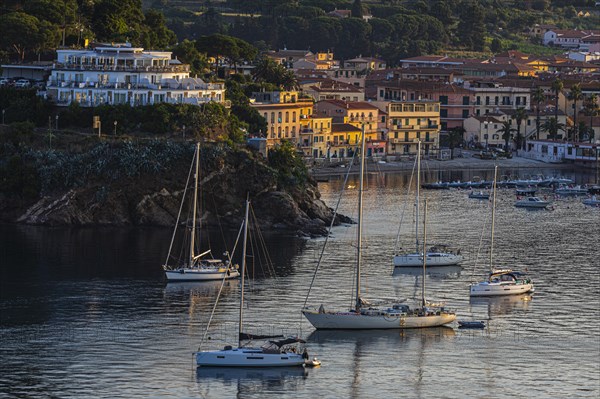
(121, 68)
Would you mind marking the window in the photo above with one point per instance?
(287, 117)
(444, 100)
(478, 100)
(444, 113)
(466, 100)
(465, 113)
(487, 100)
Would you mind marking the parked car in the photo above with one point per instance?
(4, 81)
(22, 83)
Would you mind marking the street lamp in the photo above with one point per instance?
(183, 132)
(115, 123)
(3, 112)
(486, 135)
(56, 117)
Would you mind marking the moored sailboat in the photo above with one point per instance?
(273, 353)
(500, 281)
(196, 266)
(364, 316)
(437, 255)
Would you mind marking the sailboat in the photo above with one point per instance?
(437, 255)
(500, 281)
(274, 353)
(196, 266)
(367, 317)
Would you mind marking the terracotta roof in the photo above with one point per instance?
(344, 127)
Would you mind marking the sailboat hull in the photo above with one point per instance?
(248, 357)
(358, 321)
(200, 274)
(433, 259)
(498, 289)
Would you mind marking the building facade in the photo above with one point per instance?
(285, 113)
(410, 122)
(121, 74)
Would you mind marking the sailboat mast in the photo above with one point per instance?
(243, 271)
(360, 211)
(193, 235)
(493, 219)
(417, 196)
(424, 253)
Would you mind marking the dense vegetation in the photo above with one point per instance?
(398, 28)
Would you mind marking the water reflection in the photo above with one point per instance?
(438, 272)
(251, 381)
(502, 305)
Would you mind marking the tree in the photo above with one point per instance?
(357, 9)
(575, 95)
(552, 126)
(496, 46)
(118, 20)
(557, 87)
(455, 138)
(471, 28)
(592, 109)
(290, 167)
(538, 97)
(520, 116)
(19, 33)
(156, 35)
(187, 53)
(507, 133)
(269, 71)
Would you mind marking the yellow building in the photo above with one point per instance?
(315, 135)
(411, 121)
(284, 112)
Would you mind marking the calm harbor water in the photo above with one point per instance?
(86, 312)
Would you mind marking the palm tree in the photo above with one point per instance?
(575, 95)
(557, 87)
(520, 115)
(538, 97)
(592, 109)
(552, 126)
(506, 130)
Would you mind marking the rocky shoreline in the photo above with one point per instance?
(129, 184)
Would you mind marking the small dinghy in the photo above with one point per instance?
(471, 324)
(314, 362)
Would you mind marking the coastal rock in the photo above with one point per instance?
(154, 199)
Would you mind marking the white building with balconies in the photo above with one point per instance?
(121, 74)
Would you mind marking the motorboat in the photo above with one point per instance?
(571, 190)
(532, 202)
(593, 201)
(194, 265)
(500, 281)
(471, 324)
(525, 192)
(479, 195)
(503, 282)
(366, 316)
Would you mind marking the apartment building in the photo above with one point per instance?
(410, 122)
(284, 112)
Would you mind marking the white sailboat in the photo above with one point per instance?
(437, 255)
(270, 354)
(500, 281)
(196, 266)
(366, 317)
